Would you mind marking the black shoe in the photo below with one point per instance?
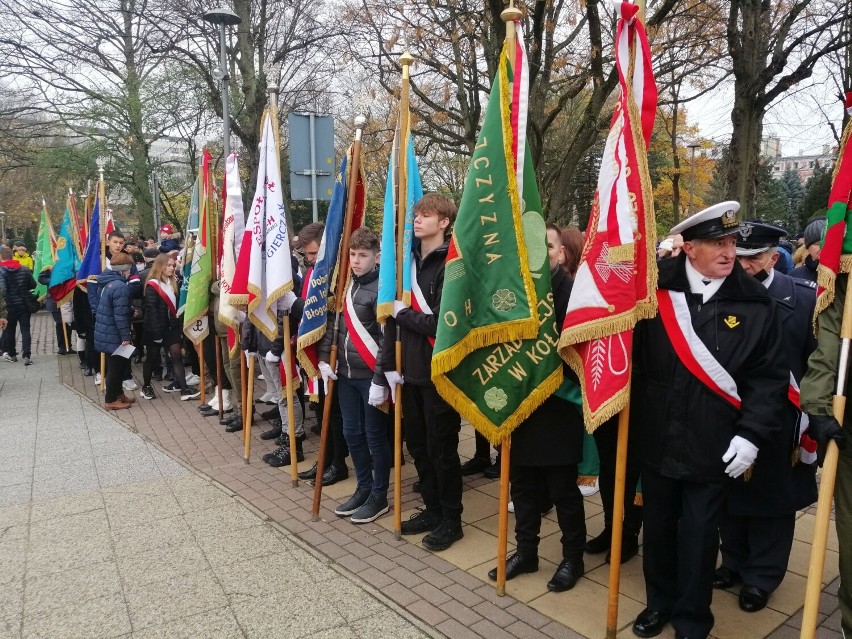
(373, 508)
(169, 376)
(281, 456)
(227, 419)
(61, 351)
(415, 487)
(753, 598)
(475, 465)
(309, 474)
(601, 543)
(88, 372)
(283, 438)
(420, 522)
(649, 623)
(516, 565)
(274, 432)
(271, 414)
(148, 392)
(316, 429)
(444, 535)
(724, 577)
(235, 425)
(493, 471)
(333, 474)
(157, 377)
(629, 548)
(566, 575)
(353, 503)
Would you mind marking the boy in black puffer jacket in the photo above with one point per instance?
(359, 340)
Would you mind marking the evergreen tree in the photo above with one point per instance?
(817, 190)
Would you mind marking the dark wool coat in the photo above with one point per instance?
(684, 428)
(553, 434)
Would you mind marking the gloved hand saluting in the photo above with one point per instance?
(378, 395)
(822, 428)
(327, 374)
(742, 452)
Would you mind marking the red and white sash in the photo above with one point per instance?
(692, 352)
(807, 445)
(166, 293)
(366, 346)
(418, 300)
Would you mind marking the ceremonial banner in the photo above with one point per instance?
(264, 271)
(90, 267)
(321, 279)
(43, 256)
(195, 320)
(233, 227)
(836, 254)
(495, 358)
(191, 225)
(63, 277)
(387, 261)
(616, 281)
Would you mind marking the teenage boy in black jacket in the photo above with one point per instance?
(431, 426)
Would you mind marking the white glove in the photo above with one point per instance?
(286, 301)
(394, 378)
(249, 355)
(397, 307)
(272, 359)
(327, 374)
(742, 452)
(158, 341)
(378, 395)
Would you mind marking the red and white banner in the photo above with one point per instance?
(615, 282)
(807, 445)
(233, 228)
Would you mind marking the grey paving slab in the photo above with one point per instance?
(103, 535)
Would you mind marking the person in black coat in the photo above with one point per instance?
(760, 515)
(16, 282)
(702, 412)
(163, 329)
(546, 450)
(813, 240)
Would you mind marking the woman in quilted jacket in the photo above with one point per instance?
(112, 327)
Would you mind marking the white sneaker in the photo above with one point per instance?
(511, 506)
(588, 491)
(129, 385)
(192, 379)
(97, 379)
(261, 377)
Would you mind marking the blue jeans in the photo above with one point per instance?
(366, 435)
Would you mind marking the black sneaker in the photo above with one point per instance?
(148, 392)
(475, 465)
(446, 533)
(281, 456)
(235, 425)
(271, 415)
(353, 503)
(373, 508)
(493, 471)
(172, 388)
(189, 393)
(420, 522)
(283, 438)
(309, 474)
(274, 432)
(88, 372)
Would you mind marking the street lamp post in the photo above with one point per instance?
(692, 147)
(224, 18)
(2, 227)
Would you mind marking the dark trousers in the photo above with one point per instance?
(17, 317)
(92, 356)
(153, 359)
(432, 436)
(60, 334)
(681, 540)
(606, 440)
(335, 449)
(757, 548)
(483, 447)
(532, 489)
(366, 435)
(210, 361)
(116, 371)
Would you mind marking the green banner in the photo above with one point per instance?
(195, 312)
(43, 255)
(495, 358)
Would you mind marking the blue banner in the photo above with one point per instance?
(64, 273)
(315, 315)
(91, 264)
(388, 266)
(191, 225)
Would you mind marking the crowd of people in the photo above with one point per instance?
(718, 451)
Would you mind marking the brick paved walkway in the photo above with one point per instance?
(449, 591)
